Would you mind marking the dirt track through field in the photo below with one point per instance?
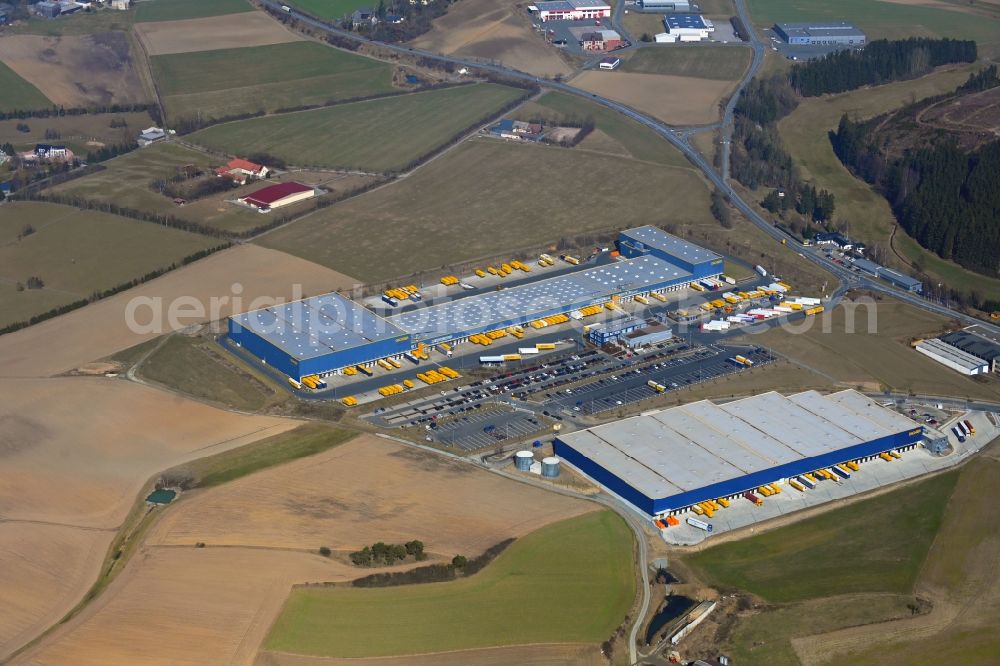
(528, 655)
(175, 603)
(74, 453)
(241, 30)
(680, 100)
(98, 330)
(76, 70)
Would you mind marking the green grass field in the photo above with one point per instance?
(329, 9)
(954, 579)
(214, 84)
(877, 545)
(568, 582)
(76, 253)
(17, 94)
(636, 140)
(376, 135)
(704, 61)
(173, 10)
(482, 199)
(890, 20)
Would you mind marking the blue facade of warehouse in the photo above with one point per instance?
(737, 486)
(340, 333)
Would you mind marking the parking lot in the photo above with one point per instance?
(529, 400)
(488, 428)
(632, 385)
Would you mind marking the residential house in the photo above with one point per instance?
(44, 151)
(240, 171)
(4, 157)
(121, 4)
(394, 19)
(363, 17)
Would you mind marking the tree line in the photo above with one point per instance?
(879, 62)
(383, 554)
(60, 111)
(435, 573)
(946, 198)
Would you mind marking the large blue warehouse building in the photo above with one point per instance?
(667, 461)
(324, 334)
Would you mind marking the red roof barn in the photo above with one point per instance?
(276, 196)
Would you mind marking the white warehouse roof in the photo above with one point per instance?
(699, 444)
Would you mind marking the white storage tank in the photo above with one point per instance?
(550, 467)
(523, 460)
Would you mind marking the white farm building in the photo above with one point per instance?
(570, 10)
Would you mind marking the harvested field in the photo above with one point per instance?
(679, 100)
(445, 206)
(76, 253)
(376, 135)
(127, 181)
(75, 453)
(18, 93)
(175, 603)
(218, 83)
(328, 497)
(80, 70)
(494, 31)
(558, 654)
(246, 29)
(100, 329)
(44, 569)
(172, 10)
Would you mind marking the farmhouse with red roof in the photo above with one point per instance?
(276, 196)
(240, 171)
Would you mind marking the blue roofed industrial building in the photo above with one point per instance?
(325, 334)
(667, 461)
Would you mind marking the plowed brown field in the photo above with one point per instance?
(176, 603)
(74, 452)
(217, 32)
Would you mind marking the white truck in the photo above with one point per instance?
(700, 524)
